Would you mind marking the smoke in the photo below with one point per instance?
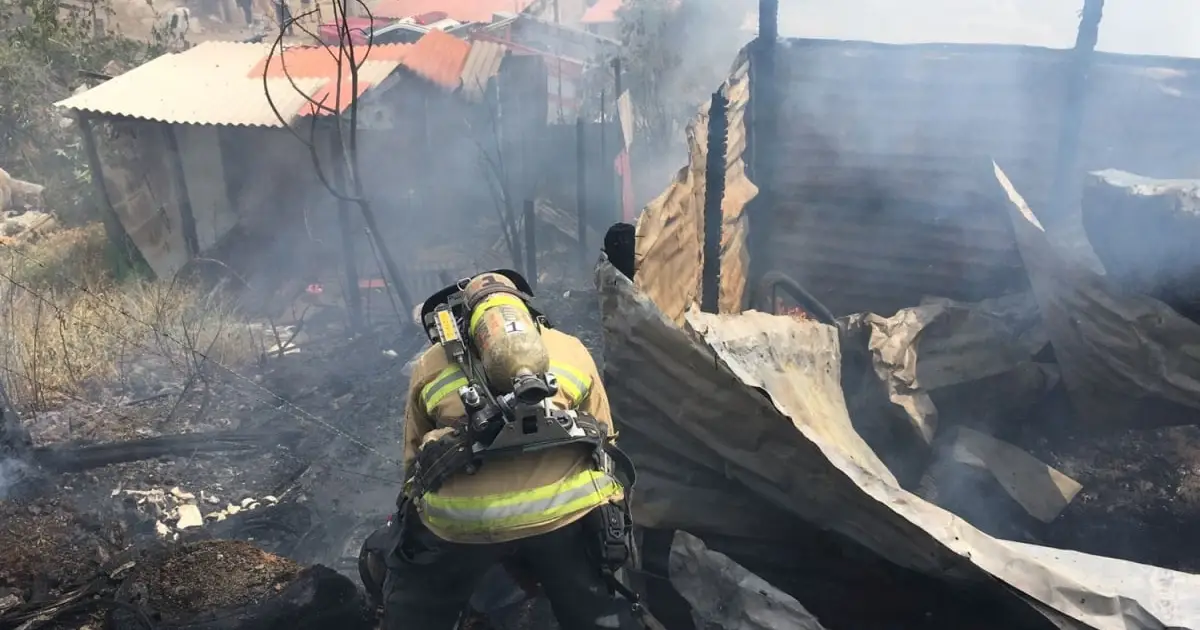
(12, 472)
(881, 184)
(1148, 27)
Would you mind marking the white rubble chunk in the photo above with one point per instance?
(189, 516)
(9, 601)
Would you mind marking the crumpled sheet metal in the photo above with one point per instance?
(725, 596)
(956, 343)
(1126, 358)
(688, 390)
(1043, 491)
(670, 232)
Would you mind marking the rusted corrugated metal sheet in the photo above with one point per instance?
(881, 184)
(482, 64)
(884, 179)
(438, 57)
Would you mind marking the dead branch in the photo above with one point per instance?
(347, 150)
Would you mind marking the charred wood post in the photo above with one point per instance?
(714, 195)
(187, 219)
(581, 194)
(395, 280)
(618, 179)
(14, 440)
(762, 145)
(531, 269)
(108, 213)
(349, 258)
(604, 201)
(1073, 106)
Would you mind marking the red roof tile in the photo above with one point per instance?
(461, 10)
(320, 62)
(605, 11)
(328, 98)
(438, 57)
(602, 12)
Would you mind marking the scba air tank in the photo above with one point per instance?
(505, 335)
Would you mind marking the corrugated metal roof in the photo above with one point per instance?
(330, 97)
(438, 57)
(205, 85)
(482, 64)
(319, 62)
(221, 83)
(461, 10)
(881, 188)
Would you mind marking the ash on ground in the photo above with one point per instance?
(323, 470)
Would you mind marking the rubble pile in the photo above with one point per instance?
(295, 460)
(953, 463)
(50, 547)
(175, 510)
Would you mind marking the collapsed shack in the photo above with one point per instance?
(976, 367)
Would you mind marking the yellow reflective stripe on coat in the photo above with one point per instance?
(574, 383)
(447, 382)
(498, 299)
(517, 510)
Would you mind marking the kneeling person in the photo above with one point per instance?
(509, 454)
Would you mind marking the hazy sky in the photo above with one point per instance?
(1152, 27)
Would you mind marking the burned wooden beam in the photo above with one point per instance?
(714, 195)
(76, 457)
(350, 261)
(581, 193)
(530, 220)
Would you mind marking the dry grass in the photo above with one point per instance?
(68, 327)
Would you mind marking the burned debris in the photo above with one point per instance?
(984, 399)
(873, 376)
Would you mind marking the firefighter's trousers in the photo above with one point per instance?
(430, 580)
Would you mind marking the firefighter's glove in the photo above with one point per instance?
(435, 435)
(443, 453)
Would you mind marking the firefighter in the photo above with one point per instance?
(554, 504)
